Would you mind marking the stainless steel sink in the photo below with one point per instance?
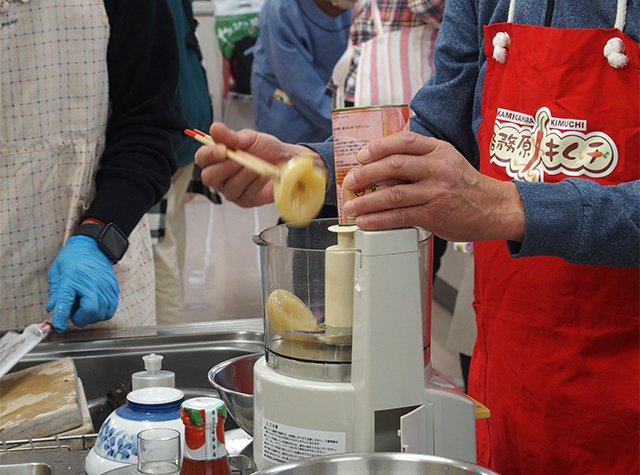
(72, 463)
(104, 358)
(26, 469)
(43, 463)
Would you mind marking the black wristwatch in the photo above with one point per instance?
(111, 240)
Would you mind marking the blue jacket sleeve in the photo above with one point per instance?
(581, 222)
(448, 106)
(295, 70)
(325, 149)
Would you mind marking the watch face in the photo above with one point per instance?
(113, 242)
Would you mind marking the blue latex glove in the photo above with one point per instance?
(81, 274)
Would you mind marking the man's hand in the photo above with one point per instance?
(437, 189)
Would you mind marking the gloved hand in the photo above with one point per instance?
(81, 272)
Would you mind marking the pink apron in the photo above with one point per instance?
(557, 354)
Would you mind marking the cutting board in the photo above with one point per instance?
(40, 401)
(87, 424)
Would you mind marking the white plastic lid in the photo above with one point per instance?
(152, 362)
(153, 376)
(155, 395)
(203, 403)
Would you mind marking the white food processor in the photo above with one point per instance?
(347, 335)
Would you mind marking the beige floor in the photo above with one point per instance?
(222, 272)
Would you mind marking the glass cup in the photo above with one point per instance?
(159, 452)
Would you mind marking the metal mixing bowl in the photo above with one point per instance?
(233, 379)
(377, 464)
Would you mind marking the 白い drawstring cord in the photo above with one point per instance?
(613, 50)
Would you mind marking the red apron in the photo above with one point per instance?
(557, 354)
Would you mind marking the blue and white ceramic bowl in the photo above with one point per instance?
(146, 408)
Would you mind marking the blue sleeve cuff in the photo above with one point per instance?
(582, 222)
(554, 215)
(325, 149)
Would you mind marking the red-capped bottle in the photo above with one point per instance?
(205, 452)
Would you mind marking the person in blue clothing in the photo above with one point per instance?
(299, 43)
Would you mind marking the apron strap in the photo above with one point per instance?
(621, 15)
(512, 9)
(340, 74)
(377, 19)
(613, 50)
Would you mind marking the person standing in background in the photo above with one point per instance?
(82, 162)
(298, 45)
(394, 15)
(169, 251)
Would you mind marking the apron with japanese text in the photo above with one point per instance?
(557, 354)
(54, 95)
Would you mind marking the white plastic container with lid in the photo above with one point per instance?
(153, 376)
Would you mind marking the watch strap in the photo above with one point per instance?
(90, 229)
(105, 234)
